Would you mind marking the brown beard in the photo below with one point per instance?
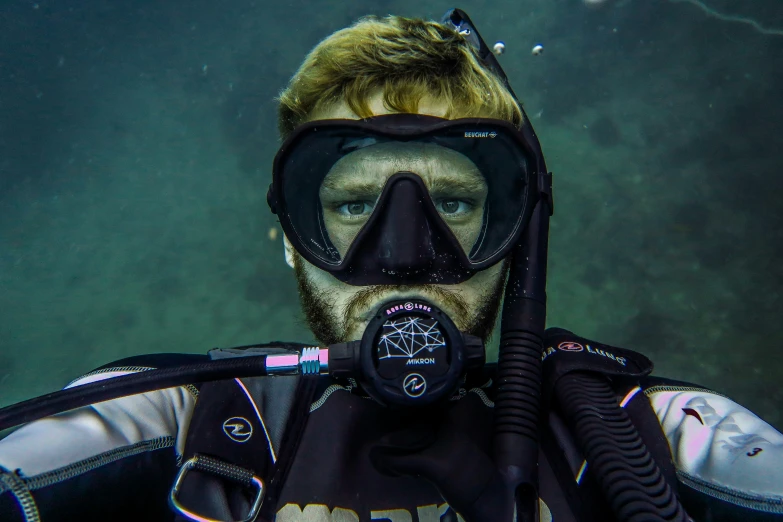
(327, 330)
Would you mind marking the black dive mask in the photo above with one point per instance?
(406, 198)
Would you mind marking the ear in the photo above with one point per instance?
(289, 251)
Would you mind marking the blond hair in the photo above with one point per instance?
(404, 58)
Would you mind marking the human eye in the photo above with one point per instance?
(453, 207)
(355, 209)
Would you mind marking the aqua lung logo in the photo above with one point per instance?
(570, 347)
(607, 354)
(565, 346)
(414, 385)
(476, 134)
(238, 429)
(408, 306)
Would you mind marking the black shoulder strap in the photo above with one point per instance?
(293, 436)
(649, 427)
(255, 424)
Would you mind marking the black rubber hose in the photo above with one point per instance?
(517, 411)
(518, 398)
(116, 387)
(629, 477)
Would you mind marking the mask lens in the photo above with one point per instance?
(350, 191)
(476, 177)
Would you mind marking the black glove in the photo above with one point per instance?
(465, 476)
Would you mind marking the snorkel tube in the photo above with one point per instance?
(517, 403)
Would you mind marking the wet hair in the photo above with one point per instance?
(406, 59)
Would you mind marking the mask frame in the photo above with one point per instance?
(423, 248)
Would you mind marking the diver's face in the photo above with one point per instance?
(339, 312)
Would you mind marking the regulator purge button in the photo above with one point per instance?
(414, 385)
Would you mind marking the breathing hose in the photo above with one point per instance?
(629, 477)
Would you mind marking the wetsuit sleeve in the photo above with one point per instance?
(109, 461)
(729, 461)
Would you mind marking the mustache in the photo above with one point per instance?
(366, 297)
(330, 326)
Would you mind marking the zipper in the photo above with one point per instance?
(668, 388)
(114, 369)
(327, 392)
(192, 389)
(72, 470)
(755, 502)
(483, 396)
(21, 491)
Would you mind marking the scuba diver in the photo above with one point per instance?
(415, 203)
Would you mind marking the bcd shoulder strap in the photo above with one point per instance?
(249, 426)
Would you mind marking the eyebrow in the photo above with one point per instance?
(469, 183)
(444, 184)
(352, 187)
(440, 185)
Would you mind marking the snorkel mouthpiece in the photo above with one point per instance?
(410, 355)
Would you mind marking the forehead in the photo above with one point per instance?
(428, 158)
(380, 161)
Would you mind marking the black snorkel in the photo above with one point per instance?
(517, 403)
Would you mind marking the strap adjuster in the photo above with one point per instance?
(223, 470)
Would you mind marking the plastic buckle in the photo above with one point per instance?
(189, 465)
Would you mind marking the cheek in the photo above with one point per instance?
(478, 288)
(486, 277)
(327, 285)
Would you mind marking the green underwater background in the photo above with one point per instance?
(137, 137)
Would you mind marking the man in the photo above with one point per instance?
(401, 230)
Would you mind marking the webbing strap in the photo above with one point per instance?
(230, 424)
(297, 420)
